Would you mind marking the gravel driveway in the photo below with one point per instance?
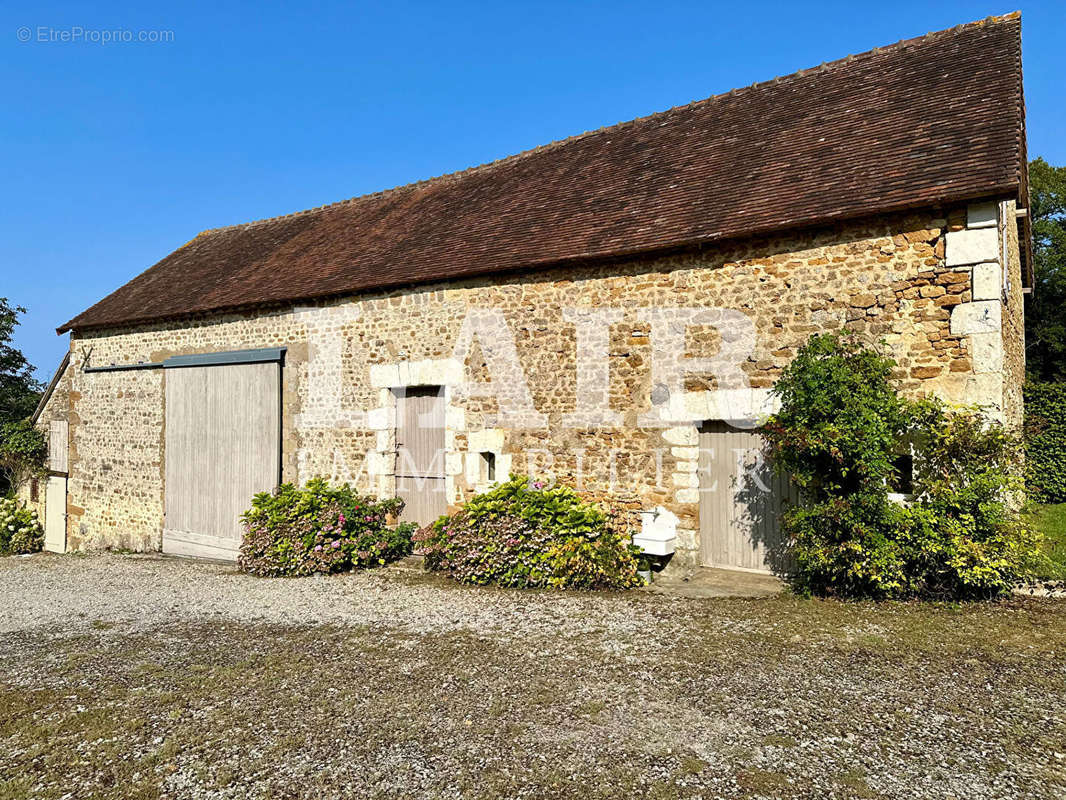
(134, 676)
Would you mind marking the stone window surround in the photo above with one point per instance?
(446, 373)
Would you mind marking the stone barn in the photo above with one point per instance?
(610, 311)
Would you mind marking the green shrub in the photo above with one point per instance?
(20, 532)
(1045, 441)
(319, 528)
(967, 477)
(523, 535)
(840, 419)
(839, 432)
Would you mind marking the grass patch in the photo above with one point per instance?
(758, 781)
(777, 740)
(1050, 520)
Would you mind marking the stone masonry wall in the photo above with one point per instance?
(909, 280)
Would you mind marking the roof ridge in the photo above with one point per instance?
(619, 126)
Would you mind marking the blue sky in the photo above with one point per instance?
(115, 154)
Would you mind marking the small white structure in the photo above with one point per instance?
(658, 532)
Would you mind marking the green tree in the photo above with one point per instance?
(22, 454)
(21, 447)
(1045, 316)
(19, 391)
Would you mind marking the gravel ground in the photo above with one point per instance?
(134, 676)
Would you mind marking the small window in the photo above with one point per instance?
(904, 480)
(35, 491)
(488, 467)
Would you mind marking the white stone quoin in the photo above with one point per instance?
(971, 246)
(987, 352)
(987, 281)
(984, 316)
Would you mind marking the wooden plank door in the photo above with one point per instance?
(420, 453)
(222, 446)
(741, 502)
(55, 513)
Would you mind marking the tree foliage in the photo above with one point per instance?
(21, 447)
(1045, 441)
(22, 453)
(19, 391)
(1045, 320)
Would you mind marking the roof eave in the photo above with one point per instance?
(1006, 189)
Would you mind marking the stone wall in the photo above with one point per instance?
(909, 280)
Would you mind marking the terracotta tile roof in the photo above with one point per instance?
(929, 120)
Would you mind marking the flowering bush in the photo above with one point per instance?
(320, 528)
(524, 535)
(20, 532)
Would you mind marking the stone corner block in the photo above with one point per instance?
(687, 496)
(984, 316)
(380, 419)
(487, 440)
(987, 352)
(682, 435)
(380, 463)
(454, 418)
(971, 246)
(453, 463)
(987, 281)
(384, 376)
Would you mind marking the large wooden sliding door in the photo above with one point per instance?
(420, 453)
(222, 447)
(741, 501)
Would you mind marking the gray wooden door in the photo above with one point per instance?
(420, 453)
(741, 501)
(222, 446)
